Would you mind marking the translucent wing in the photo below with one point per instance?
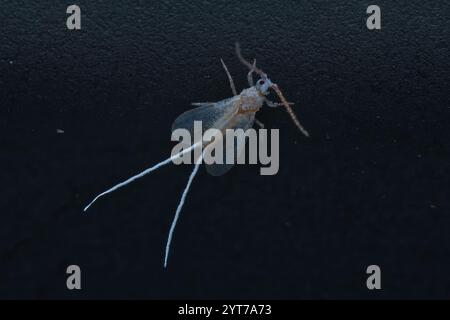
(219, 115)
(242, 121)
(215, 115)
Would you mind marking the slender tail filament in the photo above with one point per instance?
(143, 173)
(180, 206)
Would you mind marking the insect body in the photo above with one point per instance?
(237, 112)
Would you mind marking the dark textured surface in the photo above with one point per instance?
(371, 186)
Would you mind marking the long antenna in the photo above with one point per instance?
(248, 64)
(289, 109)
(274, 86)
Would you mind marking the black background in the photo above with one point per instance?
(371, 185)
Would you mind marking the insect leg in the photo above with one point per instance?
(143, 173)
(250, 75)
(275, 104)
(200, 104)
(233, 88)
(180, 206)
(259, 123)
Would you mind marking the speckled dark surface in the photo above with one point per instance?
(371, 186)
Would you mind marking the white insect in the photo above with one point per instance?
(237, 112)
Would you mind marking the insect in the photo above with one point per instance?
(232, 113)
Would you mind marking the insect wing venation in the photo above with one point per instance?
(214, 115)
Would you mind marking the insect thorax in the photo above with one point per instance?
(251, 100)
